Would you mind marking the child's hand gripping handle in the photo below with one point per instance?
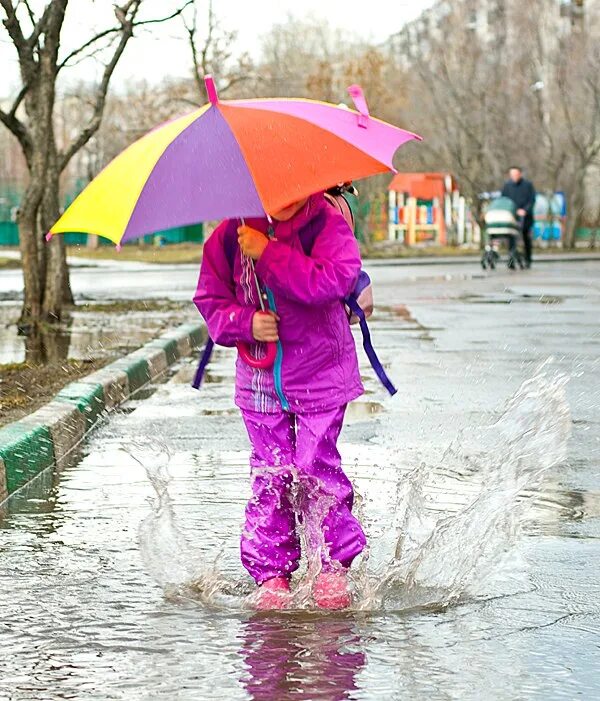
(259, 363)
(264, 328)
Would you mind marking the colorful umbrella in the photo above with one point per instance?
(238, 158)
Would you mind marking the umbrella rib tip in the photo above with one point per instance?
(211, 89)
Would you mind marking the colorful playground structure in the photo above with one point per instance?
(427, 208)
(549, 215)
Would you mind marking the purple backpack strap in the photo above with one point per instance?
(203, 362)
(368, 345)
(230, 245)
(230, 242)
(307, 238)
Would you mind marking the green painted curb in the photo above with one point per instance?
(87, 397)
(26, 451)
(137, 371)
(65, 423)
(155, 357)
(115, 385)
(46, 437)
(3, 487)
(169, 346)
(195, 332)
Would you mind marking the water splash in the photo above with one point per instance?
(424, 557)
(163, 546)
(440, 559)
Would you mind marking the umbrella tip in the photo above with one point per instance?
(360, 102)
(211, 89)
(118, 247)
(48, 236)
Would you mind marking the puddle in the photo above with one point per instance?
(97, 331)
(511, 298)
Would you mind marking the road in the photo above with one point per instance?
(467, 473)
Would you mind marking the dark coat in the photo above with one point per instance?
(522, 194)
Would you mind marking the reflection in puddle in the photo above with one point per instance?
(306, 657)
(511, 298)
(96, 332)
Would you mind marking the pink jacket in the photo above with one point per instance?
(317, 367)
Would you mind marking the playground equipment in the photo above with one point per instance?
(549, 215)
(428, 208)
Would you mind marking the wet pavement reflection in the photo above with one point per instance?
(120, 576)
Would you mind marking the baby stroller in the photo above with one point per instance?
(502, 224)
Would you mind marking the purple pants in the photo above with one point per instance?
(296, 469)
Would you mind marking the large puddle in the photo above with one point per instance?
(90, 330)
(121, 579)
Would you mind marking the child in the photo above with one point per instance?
(294, 411)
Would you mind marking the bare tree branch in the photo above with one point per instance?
(29, 12)
(90, 129)
(18, 129)
(90, 42)
(127, 25)
(233, 81)
(117, 30)
(18, 100)
(199, 67)
(175, 14)
(15, 31)
(209, 39)
(38, 28)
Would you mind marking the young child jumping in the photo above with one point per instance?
(293, 412)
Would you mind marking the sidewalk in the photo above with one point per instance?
(473, 259)
(539, 257)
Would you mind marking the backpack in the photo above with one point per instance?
(359, 303)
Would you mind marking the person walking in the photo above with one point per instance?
(522, 193)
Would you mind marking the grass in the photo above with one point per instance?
(163, 255)
(131, 305)
(391, 250)
(9, 263)
(25, 387)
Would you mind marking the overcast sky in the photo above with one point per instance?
(164, 51)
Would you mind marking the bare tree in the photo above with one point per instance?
(524, 91)
(579, 103)
(212, 55)
(37, 42)
(457, 84)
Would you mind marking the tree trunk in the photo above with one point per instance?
(576, 204)
(56, 267)
(27, 219)
(67, 292)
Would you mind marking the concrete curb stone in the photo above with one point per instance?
(49, 435)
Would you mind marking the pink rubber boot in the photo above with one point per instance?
(274, 594)
(331, 590)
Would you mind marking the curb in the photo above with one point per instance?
(49, 435)
(474, 260)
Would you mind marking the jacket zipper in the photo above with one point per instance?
(277, 381)
(278, 360)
